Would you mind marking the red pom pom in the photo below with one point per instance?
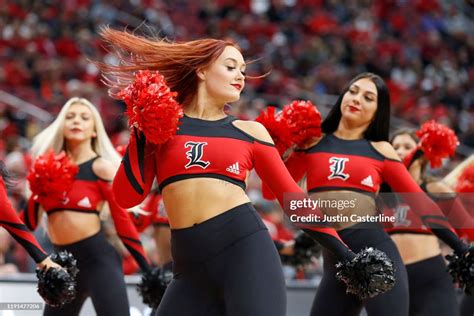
(277, 128)
(437, 142)
(466, 181)
(51, 177)
(304, 121)
(152, 107)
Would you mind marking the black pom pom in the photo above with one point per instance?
(461, 268)
(56, 286)
(153, 285)
(370, 273)
(66, 260)
(306, 248)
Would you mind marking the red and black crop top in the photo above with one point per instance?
(208, 149)
(408, 222)
(355, 165)
(10, 220)
(337, 164)
(87, 192)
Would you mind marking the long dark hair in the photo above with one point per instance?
(379, 128)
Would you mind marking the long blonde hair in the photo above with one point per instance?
(451, 178)
(52, 137)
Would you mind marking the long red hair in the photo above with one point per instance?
(176, 61)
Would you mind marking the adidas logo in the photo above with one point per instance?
(84, 202)
(368, 182)
(234, 168)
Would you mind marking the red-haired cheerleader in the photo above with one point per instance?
(224, 261)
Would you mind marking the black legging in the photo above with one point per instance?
(431, 289)
(331, 298)
(467, 305)
(226, 265)
(100, 277)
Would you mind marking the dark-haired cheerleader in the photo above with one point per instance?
(349, 163)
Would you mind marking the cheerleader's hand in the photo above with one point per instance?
(48, 263)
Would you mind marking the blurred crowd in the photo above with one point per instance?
(424, 49)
